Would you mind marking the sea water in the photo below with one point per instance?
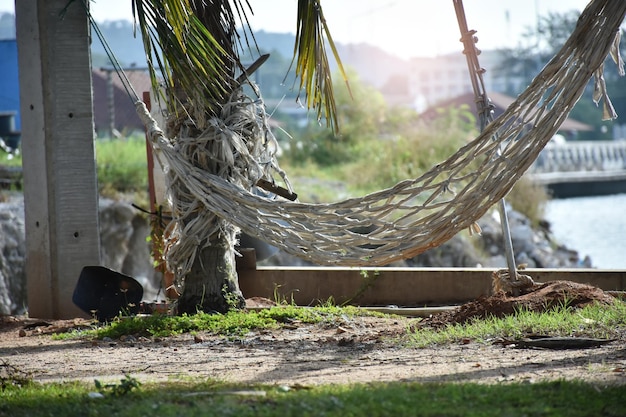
(592, 226)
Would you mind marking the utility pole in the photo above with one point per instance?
(111, 103)
(110, 71)
(60, 190)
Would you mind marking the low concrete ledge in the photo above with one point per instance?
(398, 286)
(582, 183)
(547, 178)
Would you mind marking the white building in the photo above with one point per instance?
(432, 80)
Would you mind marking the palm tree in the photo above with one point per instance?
(196, 47)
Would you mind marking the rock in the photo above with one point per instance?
(12, 252)
(455, 252)
(124, 248)
(533, 247)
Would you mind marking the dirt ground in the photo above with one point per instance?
(350, 350)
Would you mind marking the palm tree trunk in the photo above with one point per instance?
(212, 284)
(200, 47)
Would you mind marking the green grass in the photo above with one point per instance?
(20, 396)
(376, 162)
(598, 321)
(122, 166)
(212, 398)
(233, 323)
(10, 160)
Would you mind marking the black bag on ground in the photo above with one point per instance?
(105, 294)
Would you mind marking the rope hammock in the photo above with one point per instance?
(392, 224)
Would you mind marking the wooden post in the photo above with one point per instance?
(60, 190)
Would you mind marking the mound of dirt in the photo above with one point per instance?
(538, 298)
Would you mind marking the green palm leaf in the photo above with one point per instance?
(194, 46)
(190, 58)
(312, 66)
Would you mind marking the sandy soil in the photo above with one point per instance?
(349, 350)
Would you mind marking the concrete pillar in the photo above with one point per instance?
(60, 190)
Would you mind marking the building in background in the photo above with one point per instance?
(10, 120)
(433, 80)
(113, 109)
(568, 129)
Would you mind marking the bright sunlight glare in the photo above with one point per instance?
(405, 28)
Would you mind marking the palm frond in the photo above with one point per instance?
(195, 45)
(191, 43)
(312, 66)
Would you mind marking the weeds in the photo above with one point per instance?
(598, 321)
(122, 165)
(368, 281)
(126, 385)
(12, 377)
(232, 324)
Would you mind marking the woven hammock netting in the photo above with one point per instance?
(211, 178)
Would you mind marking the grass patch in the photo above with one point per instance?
(377, 162)
(10, 159)
(211, 398)
(122, 166)
(233, 323)
(598, 321)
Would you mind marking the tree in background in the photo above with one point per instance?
(538, 45)
(219, 128)
(361, 112)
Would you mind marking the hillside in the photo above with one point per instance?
(371, 63)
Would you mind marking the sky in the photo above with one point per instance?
(406, 28)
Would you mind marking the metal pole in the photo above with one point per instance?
(485, 115)
(110, 102)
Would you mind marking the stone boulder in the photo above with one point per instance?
(532, 246)
(124, 243)
(12, 252)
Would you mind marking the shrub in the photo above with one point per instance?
(122, 165)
